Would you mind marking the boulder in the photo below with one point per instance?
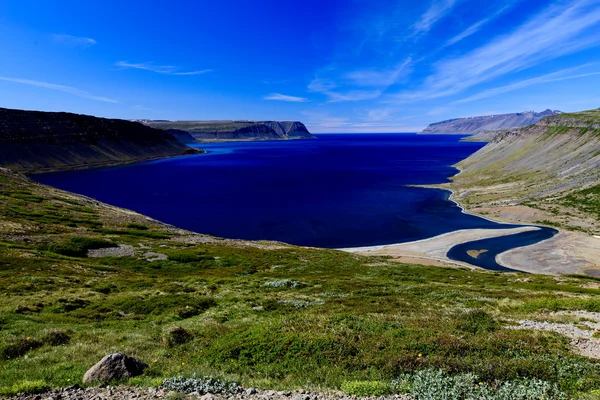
(114, 366)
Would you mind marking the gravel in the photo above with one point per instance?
(126, 392)
(581, 339)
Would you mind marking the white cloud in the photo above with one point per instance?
(60, 88)
(558, 31)
(438, 10)
(285, 97)
(75, 41)
(160, 69)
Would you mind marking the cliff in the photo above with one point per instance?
(35, 141)
(472, 125)
(552, 166)
(237, 130)
(182, 136)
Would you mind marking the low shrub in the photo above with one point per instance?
(56, 338)
(201, 385)
(20, 347)
(477, 321)
(79, 246)
(436, 385)
(139, 227)
(177, 336)
(189, 257)
(367, 388)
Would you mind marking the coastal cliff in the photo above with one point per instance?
(472, 125)
(237, 130)
(35, 141)
(552, 167)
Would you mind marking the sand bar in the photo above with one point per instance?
(433, 251)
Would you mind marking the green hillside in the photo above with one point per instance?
(265, 314)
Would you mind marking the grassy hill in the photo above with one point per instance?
(35, 141)
(80, 279)
(553, 166)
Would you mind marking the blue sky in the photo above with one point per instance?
(337, 65)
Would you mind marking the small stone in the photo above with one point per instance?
(250, 391)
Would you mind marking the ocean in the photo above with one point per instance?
(339, 190)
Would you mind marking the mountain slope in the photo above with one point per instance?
(35, 141)
(237, 130)
(473, 125)
(553, 166)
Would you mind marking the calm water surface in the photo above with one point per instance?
(335, 191)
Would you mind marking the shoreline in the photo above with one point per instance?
(436, 248)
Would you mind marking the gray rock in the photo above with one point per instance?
(114, 366)
(250, 391)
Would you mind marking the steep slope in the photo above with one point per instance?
(35, 141)
(182, 136)
(473, 125)
(237, 130)
(553, 166)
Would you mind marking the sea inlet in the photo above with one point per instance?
(336, 191)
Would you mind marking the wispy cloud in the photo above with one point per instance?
(558, 31)
(552, 77)
(160, 69)
(61, 88)
(438, 10)
(285, 97)
(360, 85)
(379, 78)
(473, 29)
(75, 41)
(327, 86)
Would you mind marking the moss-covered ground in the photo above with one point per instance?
(267, 315)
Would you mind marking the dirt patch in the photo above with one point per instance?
(123, 250)
(581, 335)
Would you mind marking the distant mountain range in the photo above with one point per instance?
(234, 130)
(472, 125)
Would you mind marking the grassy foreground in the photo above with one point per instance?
(264, 314)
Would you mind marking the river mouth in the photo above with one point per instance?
(482, 253)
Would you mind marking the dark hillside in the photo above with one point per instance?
(35, 141)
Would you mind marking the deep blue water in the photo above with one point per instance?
(495, 246)
(335, 191)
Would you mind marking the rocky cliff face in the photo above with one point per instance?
(34, 141)
(554, 165)
(473, 125)
(238, 130)
(182, 136)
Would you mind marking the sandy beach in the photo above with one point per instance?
(433, 251)
(566, 253)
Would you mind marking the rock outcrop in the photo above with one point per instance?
(237, 130)
(35, 141)
(472, 125)
(114, 366)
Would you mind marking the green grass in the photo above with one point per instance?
(285, 318)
